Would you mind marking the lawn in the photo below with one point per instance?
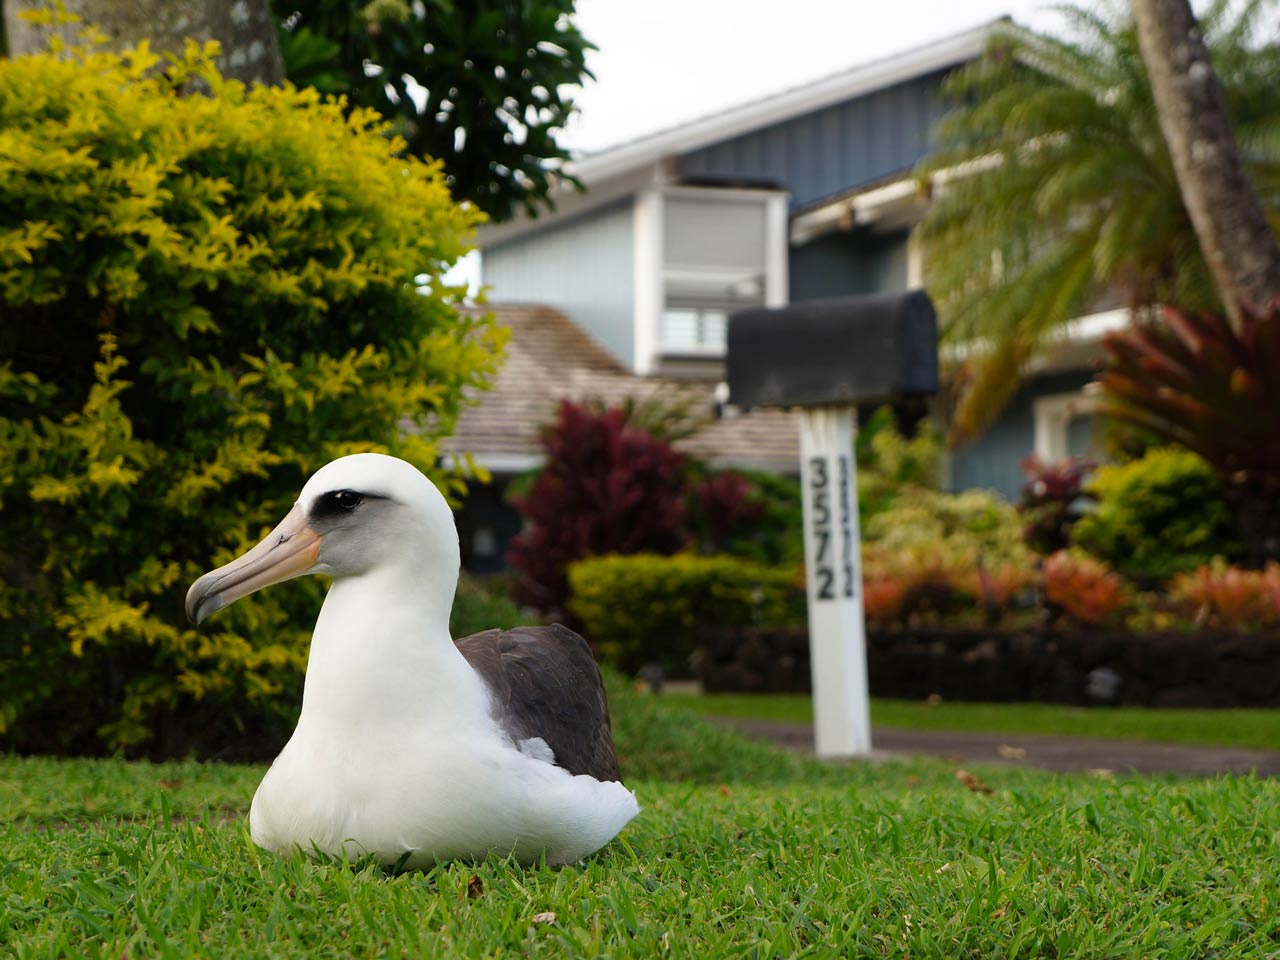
(1227, 728)
(739, 851)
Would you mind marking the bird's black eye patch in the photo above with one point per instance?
(337, 502)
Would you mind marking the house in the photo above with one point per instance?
(806, 194)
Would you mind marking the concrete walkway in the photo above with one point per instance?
(1070, 754)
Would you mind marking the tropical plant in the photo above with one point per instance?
(606, 487)
(773, 535)
(1052, 501)
(918, 583)
(204, 298)
(726, 508)
(1229, 596)
(968, 526)
(658, 413)
(884, 599)
(889, 460)
(1192, 380)
(1161, 514)
(1054, 187)
(995, 590)
(1084, 588)
(481, 85)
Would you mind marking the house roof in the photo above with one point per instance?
(549, 359)
(624, 169)
(795, 101)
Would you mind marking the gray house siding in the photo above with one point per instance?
(991, 461)
(585, 268)
(832, 150)
(844, 264)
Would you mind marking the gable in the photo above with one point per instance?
(829, 151)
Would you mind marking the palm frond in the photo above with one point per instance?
(1067, 189)
(995, 379)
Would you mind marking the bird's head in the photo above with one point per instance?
(358, 514)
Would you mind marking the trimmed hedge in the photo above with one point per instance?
(647, 608)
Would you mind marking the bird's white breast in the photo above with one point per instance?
(434, 794)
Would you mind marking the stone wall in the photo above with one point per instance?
(1205, 669)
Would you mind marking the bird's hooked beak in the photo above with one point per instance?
(290, 550)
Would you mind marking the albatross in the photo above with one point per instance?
(410, 746)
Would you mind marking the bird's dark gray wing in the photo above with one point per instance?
(545, 683)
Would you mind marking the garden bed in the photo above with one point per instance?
(1202, 669)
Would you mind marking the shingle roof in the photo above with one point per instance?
(549, 359)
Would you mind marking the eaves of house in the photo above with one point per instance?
(785, 139)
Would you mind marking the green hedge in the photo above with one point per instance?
(647, 608)
(481, 605)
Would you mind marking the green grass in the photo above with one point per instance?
(739, 851)
(1228, 728)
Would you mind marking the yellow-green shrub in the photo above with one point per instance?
(202, 300)
(1162, 514)
(963, 526)
(645, 608)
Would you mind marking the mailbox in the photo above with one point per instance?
(840, 351)
(824, 357)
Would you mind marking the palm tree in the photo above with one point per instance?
(1058, 188)
(1235, 238)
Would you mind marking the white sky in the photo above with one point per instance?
(662, 62)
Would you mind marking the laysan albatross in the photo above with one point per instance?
(409, 746)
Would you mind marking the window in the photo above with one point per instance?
(694, 329)
(715, 260)
(697, 305)
(1063, 425)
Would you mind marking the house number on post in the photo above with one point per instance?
(842, 724)
(833, 563)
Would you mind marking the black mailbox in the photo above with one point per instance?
(825, 352)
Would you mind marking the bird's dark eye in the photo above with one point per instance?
(345, 499)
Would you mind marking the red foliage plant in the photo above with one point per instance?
(1194, 381)
(1051, 500)
(607, 486)
(995, 589)
(884, 599)
(1084, 588)
(1233, 598)
(727, 507)
(916, 584)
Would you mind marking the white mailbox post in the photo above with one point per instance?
(833, 579)
(824, 357)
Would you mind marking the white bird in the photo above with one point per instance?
(412, 747)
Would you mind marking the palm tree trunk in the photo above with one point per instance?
(1229, 222)
(245, 28)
